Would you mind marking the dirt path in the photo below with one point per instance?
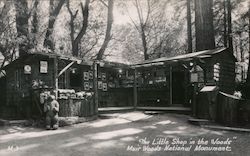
(123, 134)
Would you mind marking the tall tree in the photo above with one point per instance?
(189, 27)
(204, 30)
(108, 36)
(229, 26)
(53, 13)
(22, 24)
(34, 28)
(6, 40)
(4, 25)
(225, 34)
(143, 19)
(247, 15)
(159, 30)
(75, 41)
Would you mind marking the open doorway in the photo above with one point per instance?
(178, 88)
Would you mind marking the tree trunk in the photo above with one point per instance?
(34, 28)
(225, 23)
(77, 40)
(189, 28)
(48, 41)
(3, 26)
(248, 71)
(108, 30)
(144, 43)
(22, 23)
(204, 25)
(229, 20)
(71, 24)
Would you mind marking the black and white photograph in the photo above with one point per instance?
(124, 78)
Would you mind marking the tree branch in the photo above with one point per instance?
(52, 18)
(85, 15)
(106, 5)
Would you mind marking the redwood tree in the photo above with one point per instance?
(248, 72)
(204, 29)
(189, 27)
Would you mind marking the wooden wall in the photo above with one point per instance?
(76, 107)
(19, 93)
(19, 90)
(226, 80)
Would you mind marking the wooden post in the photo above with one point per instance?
(56, 77)
(135, 89)
(194, 105)
(170, 85)
(95, 85)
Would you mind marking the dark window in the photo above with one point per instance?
(75, 78)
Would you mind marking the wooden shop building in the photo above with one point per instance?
(83, 87)
(169, 83)
(73, 80)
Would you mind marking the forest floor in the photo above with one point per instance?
(124, 134)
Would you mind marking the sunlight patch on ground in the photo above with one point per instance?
(182, 127)
(28, 147)
(127, 139)
(20, 135)
(134, 116)
(184, 132)
(12, 130)
(108, 122)
(149, 127)
(73, 142)
(217, 132)
(189, 132)
(107, 144)
(173, 132)
(166, 122)
(113, 134)
(15, 129)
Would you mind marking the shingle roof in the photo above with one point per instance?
(184, 57)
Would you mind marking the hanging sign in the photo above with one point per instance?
(194, 77)
(27, 69)
(196, 74)
(43, 67)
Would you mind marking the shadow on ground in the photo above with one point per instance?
(111, 135)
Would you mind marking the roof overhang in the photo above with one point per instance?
(183, 57)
